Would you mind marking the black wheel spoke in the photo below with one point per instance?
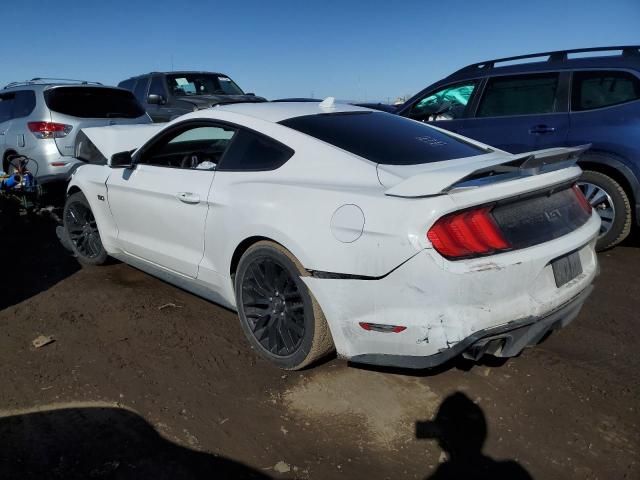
(83, 230)
(273, 306)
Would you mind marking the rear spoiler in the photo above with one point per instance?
(516, 166)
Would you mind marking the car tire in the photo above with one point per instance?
(279, 315)
(611, 202)
(82, 231)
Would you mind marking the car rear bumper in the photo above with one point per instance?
(441, 304)
(503, 341)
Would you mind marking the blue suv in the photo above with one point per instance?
(553, 99)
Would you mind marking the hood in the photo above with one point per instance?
(206, 101)
(441, 177)
(121, 138)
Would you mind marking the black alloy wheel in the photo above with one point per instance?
(82, 230)
(274, 307)
(279, 315)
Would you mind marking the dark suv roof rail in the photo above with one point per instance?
(554, 56)
(47, 80)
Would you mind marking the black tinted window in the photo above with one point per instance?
(601, 89)
(521, 95)
(93, 102)
(157, 87)
(140, 89)
(250, 151)
(383, 138)
(127, 84)
(6, 106)
(24, 103)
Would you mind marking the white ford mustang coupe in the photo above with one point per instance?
(333, 227)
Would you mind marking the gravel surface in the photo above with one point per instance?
(127, 389)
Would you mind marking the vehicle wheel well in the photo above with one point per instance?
(73, 190)
(611, 172)
(5, 161)
(240, 249)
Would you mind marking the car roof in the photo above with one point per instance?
(279, 111)
(177, 72)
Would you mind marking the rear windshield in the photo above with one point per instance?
(383, 138)
(93, 102)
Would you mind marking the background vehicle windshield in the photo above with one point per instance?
(383, 138)
(202, 84)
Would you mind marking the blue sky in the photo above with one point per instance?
(360, 50)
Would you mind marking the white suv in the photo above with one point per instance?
(40, 119)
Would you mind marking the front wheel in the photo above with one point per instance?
(279, 315)
(82, 231)
(611, 203)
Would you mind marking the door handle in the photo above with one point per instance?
(542, 129)
(188, 197)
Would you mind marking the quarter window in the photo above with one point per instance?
(127, 84)
(597, 89)
(250, 151)
(6, 106)
(24, 103)
(519, 95)
(448, 103)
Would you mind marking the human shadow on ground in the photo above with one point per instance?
(102, 443)
(460, 428)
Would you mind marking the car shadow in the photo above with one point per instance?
(31, 255)
(460, 428)
(102, 442)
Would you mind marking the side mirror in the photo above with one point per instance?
(121, 160)
(154, 99)
(251, 94)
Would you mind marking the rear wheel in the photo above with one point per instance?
(82, 231)
(611, 202)
(278, 313)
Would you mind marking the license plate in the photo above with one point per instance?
(566, 268)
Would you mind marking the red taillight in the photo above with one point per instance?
(49, 129)
(582, 200)
(467, 234)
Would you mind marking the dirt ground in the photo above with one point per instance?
(146, 381)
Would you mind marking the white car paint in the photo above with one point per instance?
(339, 213)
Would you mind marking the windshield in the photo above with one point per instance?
(182, 84)
(383, 138)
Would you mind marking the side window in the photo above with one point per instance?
(24, 103)
(596, 89)
(157, 87)
(519, 95)
(251, 151)
(448, 103)
(140, 90)
(197, 147)
(6, 106)
(127, 84)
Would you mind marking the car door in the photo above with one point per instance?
(160, 206)
(446, 106)
(519, 113)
